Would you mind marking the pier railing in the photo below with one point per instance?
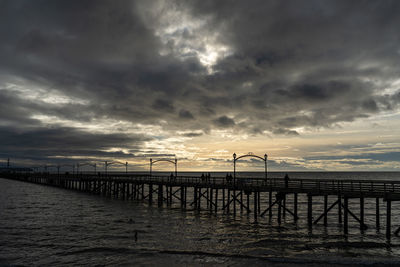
(315, 186)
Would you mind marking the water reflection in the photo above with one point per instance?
(51, 226)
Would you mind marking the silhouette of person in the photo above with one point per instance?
(286, 180)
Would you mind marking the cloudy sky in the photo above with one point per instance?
(314, 84)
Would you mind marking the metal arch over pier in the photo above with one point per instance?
(78, 165)
(106, 164)
(174, 161)
(217, 194)
(250, 154)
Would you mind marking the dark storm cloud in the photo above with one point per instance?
(224, 122)
(185, 114)
(290, 64)
(193, 134)
(42, 143)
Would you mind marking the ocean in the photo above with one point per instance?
(47, 226)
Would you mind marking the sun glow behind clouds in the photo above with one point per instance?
(185, 36)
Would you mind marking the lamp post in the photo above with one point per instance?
(176, 167)
(234, 168)
(151, 166)
(266, 165)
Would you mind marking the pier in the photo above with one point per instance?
(261, 197)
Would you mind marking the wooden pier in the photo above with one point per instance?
(233, 196)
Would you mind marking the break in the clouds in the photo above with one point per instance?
(119, 79)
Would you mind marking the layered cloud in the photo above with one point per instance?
(148, 77)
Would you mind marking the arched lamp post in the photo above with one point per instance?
(173, 161)
(106, 164)
(235, 158)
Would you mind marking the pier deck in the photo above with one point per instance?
(233, 194)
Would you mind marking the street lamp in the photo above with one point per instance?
(151, 165)
(234, 168)
(266, 165)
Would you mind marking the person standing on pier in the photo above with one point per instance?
(286, 181)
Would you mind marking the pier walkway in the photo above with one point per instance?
(235, 194)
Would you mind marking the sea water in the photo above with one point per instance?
(47, 226)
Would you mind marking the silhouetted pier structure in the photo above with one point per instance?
(231, 196)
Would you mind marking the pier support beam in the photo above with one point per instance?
(248, 202)
(279, 211)
(234, 202)
(326, 210)
(388, 218)
(195, 197)
(241, 201)
(340, 208)
(228, 201)
(362, 214)
(295, 206)
(255, 206)
(346, 216)
(309, 210)
(377, 217)
(223, 197)
(199, 198)
(216, 200)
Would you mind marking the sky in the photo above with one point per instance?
(313, 84)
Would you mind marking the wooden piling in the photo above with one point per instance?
(345, 215)
(362, 213)
(199, 199)
(279, 211)
(295, 206)
(241, 201)
(228, 200)
(388, 218)
(377, 213)
(339, 208)
(234, 202)
(326, 210)
(223, 197)
(309, 210)
(216, 200)
(255, 206)
(248, 202)
(195, 197)
(283, 202)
